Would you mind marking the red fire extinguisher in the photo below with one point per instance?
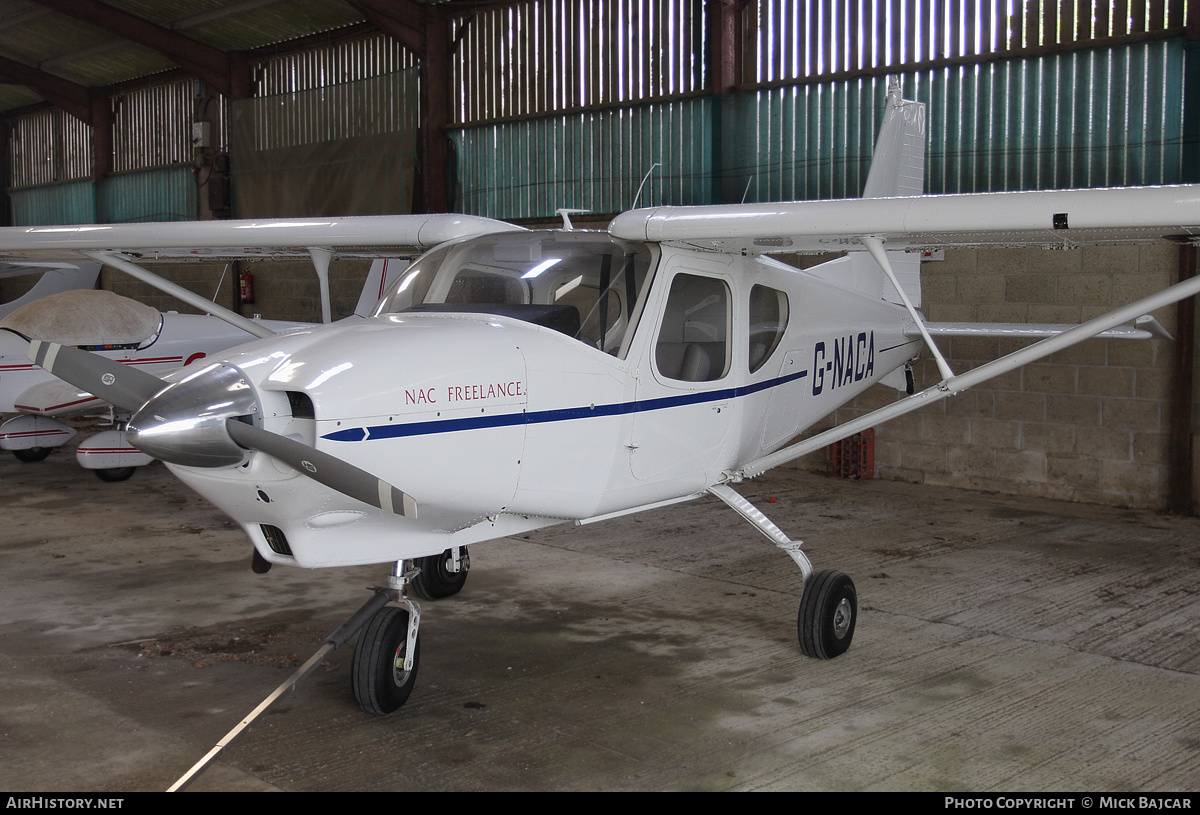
(246, 288)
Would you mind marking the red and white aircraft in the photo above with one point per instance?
(64, 307)
(582, 375)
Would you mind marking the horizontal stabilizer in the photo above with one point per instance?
(53, 397)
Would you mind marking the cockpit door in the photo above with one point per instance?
(685, 385)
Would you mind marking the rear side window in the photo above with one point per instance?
(693, 344)
(768, 321)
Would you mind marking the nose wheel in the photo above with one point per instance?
(388, 650)
(378, 676)
(828, 611)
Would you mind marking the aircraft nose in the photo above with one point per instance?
(185, 423)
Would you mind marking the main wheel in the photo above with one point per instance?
(115, 474)
(436, 580)
(32, 454)
(828, 611)
(377, 675)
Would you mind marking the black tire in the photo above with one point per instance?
(436, 580)
(377, 675)
(828, 613)
(115, 474)
(31, 454)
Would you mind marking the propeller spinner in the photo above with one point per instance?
(204, 420)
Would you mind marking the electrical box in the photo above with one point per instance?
(201, 134)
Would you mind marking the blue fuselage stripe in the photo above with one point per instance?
(395, 431)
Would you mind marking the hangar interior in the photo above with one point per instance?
(1005, 641)
(131, 110)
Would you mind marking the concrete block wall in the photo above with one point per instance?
(1088, 424)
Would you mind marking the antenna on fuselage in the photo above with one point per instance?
(746, 191)
(645, 178)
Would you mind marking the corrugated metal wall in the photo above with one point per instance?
(365, 107)
(49, 147)
(1093, 118)
(1106, 117)
(529, 58)
(73, 202)
(349, 61)
(152, 147)
(588, 95)
(164, 194)
(152, 127)
(588, 160)
(806, 39)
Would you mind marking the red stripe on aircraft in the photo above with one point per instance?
(26, 434)
(56, 407)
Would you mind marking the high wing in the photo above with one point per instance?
(375, 235)
(125, 246)
(1052, 219)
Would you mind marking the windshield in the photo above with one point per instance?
(584, 284)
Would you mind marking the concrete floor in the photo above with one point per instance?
(1003, 644)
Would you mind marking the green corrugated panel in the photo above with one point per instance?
(593, 161)
(1094, 118)
(1105, 117)
(167, 194)
(56, 204)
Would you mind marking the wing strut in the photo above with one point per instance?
(954, 384)
(191, 298)
(875, 247)
(321, 258)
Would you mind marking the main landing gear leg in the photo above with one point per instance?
(388, 651)
(829, 604)
(441, 575)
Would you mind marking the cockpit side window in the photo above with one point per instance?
(693, 343)
(584, 284)
(768, 321)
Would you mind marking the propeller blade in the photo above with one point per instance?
(324, 468)
(122, 385)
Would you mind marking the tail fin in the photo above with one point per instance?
(897, 170)
(383, 273)
(898, 164)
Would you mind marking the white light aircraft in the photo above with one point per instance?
(63, 308)
(514, 379)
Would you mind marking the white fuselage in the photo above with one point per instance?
(496, 425)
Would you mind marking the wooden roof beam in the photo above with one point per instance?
(229, 73)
